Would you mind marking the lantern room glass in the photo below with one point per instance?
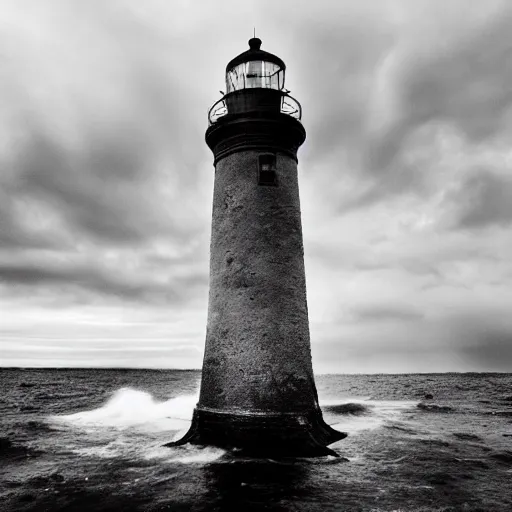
(255, 74)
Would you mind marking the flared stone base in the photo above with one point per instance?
(263, 434)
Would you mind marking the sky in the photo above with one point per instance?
(405, 178)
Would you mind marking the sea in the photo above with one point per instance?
(92, 440)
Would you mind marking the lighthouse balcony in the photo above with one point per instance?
(256, 101)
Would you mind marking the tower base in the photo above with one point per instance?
(262, 434)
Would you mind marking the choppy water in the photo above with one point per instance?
(92, 440)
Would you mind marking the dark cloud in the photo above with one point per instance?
(101, 194)
(483, 199)
(16, 231)
(464, 84)
(468, 84)
(484, 339)
(492, 351)
(348, 257)
(99, 157)
(101, 281)
(53, 278)
(104, 134)
(379, 312)
(15, 236)
(375, 83)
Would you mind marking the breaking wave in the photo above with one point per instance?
(129, 408)
(133, 425)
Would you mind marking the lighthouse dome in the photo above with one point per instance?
(255, 68)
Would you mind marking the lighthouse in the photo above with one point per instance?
(258, 393)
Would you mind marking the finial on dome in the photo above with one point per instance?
(254, 43)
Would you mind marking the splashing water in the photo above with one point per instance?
(129, 409)
(132, 424)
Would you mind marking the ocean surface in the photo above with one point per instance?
(92, 440)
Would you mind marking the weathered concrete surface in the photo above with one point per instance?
(257, 355)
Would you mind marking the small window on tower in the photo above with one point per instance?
(267, 170)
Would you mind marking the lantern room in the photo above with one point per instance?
(255, 68)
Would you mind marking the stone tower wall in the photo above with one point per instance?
(257, 348)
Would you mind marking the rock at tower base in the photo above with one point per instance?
(262, 434)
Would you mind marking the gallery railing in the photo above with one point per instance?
(289, 106)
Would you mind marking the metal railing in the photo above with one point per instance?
(218, 110)
(289, 106)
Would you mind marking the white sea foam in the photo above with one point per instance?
(130, 448)
(132, 424)
(187, 454)
(129, 409)
(379, 412)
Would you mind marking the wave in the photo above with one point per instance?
(8, 449)
(434, 407)
(133, 425)
(357, 415)
(348, 408)
(39, 426)
(129, 408)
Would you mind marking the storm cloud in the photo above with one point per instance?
(483, 200)
(106, 183)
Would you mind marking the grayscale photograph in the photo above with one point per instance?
(255, 255)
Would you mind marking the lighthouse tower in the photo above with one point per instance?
(257, 391)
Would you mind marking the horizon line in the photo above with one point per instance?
(199, 370)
